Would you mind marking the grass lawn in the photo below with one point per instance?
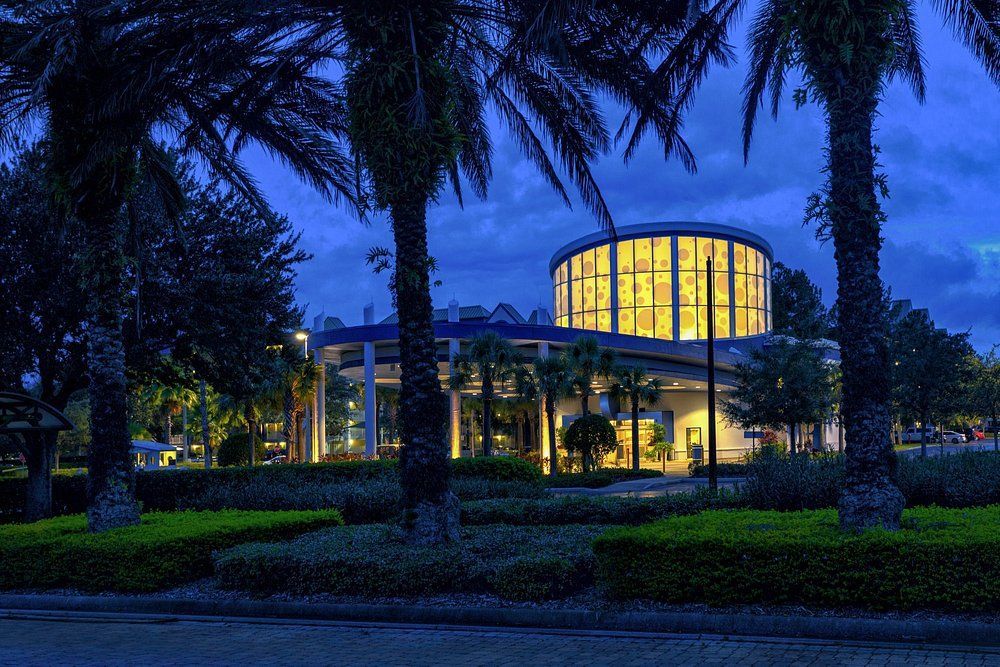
(942, 559)
(166, 549)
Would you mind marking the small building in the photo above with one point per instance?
(150, 455)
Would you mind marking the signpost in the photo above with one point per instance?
(713, 463)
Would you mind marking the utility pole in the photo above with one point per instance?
(713, 463)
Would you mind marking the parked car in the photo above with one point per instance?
(275, 461)
(913, 434)
(973, 434)
(953, 437)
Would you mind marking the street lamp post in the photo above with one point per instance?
(713, 464)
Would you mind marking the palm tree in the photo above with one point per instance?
(846, 54)
(550, 380)
(588, 360)
(293, 391)
(171, 399)
(493, 361)
(632, 385)
(105, 80)
(418, 81)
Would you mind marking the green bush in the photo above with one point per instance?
(233, 451)
(593, 436)
(594, 510)
(596, 479)
(942, 559)
(497, 468)
(167, 549)
(728, 469)
(373, 561)
(779, 482)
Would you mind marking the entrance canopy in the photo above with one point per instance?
(24, 414)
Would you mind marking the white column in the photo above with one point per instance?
(454, 397)
(310, 439)
(371, 420)
(321, 449)
(543, 352)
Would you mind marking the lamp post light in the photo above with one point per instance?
(304, 337)
(713, 471)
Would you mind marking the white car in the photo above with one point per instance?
(913, 434)
(953, 437)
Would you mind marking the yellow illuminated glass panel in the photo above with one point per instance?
(661, 253)
(704, 252)
(590, 321)
(689, 322)
(751, 291)
(576, 266)
(626, 321)
(603, 260)
(625, 249)
(577, 320)
(721, 289)
(741, 321)
(663, 293)
(626, 292)
(589, 263)
(722, 322)
(751, 260)
(740, 287)
(740, 257)
(664, 322)
(577, 296)
(688, 289)
(721, 257)
(643, 255)
(702, 321)
(643, 289)
(644, 322)
(604, 320)
(589, 294)
(603, 293)
(686, 260)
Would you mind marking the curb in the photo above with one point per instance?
(652, 485)
(688, 623)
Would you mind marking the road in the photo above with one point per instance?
(84, 639)
(934, 448)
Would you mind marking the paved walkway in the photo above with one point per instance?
(87, 640)
(655, 486)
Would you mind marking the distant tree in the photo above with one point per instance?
(930, 371)
(593, 437)
(797, 305)
(341, 394)
(985, 391)
(632, 384)
(588, 360)
(784, 384)
(549, 380)
(491, 361)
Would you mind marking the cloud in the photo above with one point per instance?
(941, 159)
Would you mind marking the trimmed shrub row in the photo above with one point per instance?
(517, 563)
(166, 549)
(942, 559)
(297, 486)
(596, 479)
(728, 469)
(597, 510)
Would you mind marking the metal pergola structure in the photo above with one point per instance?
(24, 414)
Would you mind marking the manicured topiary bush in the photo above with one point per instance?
(233, 451)
(167, 549)
(373, 561)
(942, 559)
(593, 437)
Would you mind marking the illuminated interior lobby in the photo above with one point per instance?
(644, 294)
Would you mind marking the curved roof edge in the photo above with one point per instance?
(671, 227)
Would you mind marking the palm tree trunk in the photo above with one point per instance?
(923, 435)
(585, 400)
(869, 497)
(288, 423)
(206, 441)
(185, 446)
(431, 510)
(791, 440)
(250, 414)
(111, 473)
(550, 415)
(487, 426)
(635, 433)
(38, 450)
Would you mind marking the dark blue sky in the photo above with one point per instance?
(942, 239)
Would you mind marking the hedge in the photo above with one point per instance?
(518, 563)
(295, 486)
(595, 510)
(942, 559)
(596, 479)
(727, 469)
(166, 549)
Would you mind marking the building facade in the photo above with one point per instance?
(644, 294)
